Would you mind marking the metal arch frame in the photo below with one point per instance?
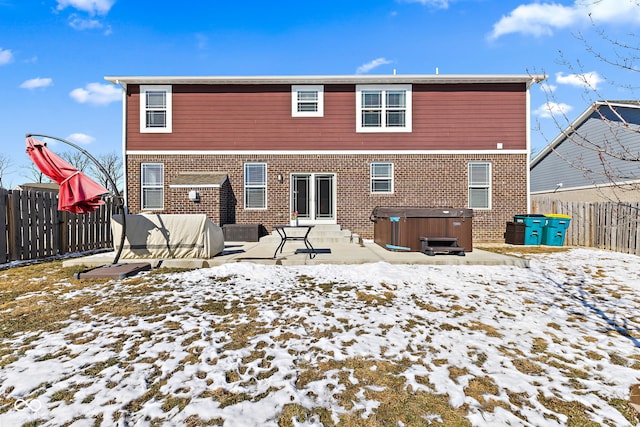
(119, 198)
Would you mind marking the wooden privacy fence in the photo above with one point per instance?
(604, 225)
(31, 227)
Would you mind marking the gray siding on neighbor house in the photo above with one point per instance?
(577, 162)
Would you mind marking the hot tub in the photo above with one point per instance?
(402, 227)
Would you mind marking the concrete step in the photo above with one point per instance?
(323, 234)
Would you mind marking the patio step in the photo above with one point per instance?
(324, 234)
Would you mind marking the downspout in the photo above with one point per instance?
(528, 145)
(124, 141)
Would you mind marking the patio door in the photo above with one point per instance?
(313, 197)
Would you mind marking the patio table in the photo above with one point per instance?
(284, 238)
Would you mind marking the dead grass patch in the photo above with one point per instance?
(455, 372)
(539, 345)
(522, 251)
(480, 388)
(487, 329)
(528, 367)
(385, 299)
(381, 381)
(576, 412)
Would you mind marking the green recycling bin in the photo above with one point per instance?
(555, 230)
(534, 226)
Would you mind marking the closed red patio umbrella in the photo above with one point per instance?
(78, 193)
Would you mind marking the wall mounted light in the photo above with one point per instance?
(280, 178)
(194, 196)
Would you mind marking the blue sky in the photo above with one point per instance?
(54, 54)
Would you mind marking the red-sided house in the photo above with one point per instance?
(332, 148)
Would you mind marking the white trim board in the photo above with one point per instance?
(316, 152)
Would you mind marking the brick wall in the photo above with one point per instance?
(438, 180)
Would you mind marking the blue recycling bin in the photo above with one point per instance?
(555, 230)
(534, 226)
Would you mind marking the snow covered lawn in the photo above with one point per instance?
(360, 345)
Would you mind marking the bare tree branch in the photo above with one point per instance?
(112, 163)
(612, 152)
(5, 168)
(34, 175)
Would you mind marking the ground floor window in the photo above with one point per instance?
(152, 185)
(255, 185)
(480, 185)
(381, 176)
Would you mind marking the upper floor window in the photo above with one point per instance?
(255, 185)
(155, 109)
(383, 108)
(480, 185)
(152, 185)
(307, 100)
(382, 177)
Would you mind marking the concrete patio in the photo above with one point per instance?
(328, 253)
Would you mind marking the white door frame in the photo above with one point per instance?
(312, 217)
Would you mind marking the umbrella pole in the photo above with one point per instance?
(119, 198)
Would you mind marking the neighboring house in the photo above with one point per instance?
(332, 148)
(39, 186)
(596, 158)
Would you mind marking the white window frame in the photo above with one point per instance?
(407, 88)
(296, 90)
(483, 185)
(155, 186)
(168, 108)
(255, 185)
(373, 177)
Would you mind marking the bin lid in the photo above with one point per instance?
(558, 216)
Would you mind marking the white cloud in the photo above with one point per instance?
(81, 138)
(97, 94)
(93, 7)
(536, 19)
(441, 4)
(78, 23)
(6, 56)
(550, 109)
(542, 19)
(589, 80)
(365, 68)
(36, 83)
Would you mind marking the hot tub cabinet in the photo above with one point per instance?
(406, 228)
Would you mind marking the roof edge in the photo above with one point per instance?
(333, 79)
(577, 122)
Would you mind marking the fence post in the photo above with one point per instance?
(63, 232)
(4, 225)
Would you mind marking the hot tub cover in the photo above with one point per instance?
(168, 236)
(420, 212)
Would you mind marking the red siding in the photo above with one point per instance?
(258, 117)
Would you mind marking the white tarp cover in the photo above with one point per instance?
(168, 236)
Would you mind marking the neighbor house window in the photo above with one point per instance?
(480, 185)
(383, 108)
(382, 177)
(255, 185)
(155, 109)
(307, 100)
(152, 186)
